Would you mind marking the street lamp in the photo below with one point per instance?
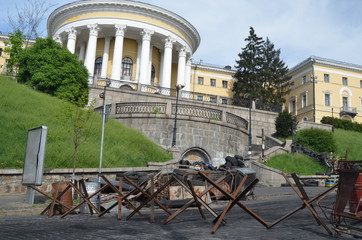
(248, 96)
(178, 88)
(103, 96)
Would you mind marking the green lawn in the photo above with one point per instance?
(23, 108)
(296, 163)
(349, 141)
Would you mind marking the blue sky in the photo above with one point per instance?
(300, 28)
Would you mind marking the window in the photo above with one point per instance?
(213, 99)
(327, 100)
(213, 82)
(153, 75)
(225, 84)
(304, 79)
(200, 98)
(98, 66)
(292, 106)
(360, 83)
(345, 103)
(291, 85)
(345, 81)
(224, 101)
(200, 80)
(127, 67)
(326, 77)
(304, 101)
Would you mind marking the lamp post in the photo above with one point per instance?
(178, 88)
(103, 96)
(248, 96)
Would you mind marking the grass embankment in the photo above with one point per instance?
(296, 163)
(349, 141)
(22, 108)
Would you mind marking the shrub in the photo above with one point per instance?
(317, 140)
(284, 124)
(343, 124)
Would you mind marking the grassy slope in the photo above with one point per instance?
(345, 140)
(348, 141)
(22, 108)
(296, 163)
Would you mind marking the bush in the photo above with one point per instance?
(317, 140)
(343, 124)
(284, 124)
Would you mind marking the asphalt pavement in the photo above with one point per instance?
(20, 221)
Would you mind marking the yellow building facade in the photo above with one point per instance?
(323, 87)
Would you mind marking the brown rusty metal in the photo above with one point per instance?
(235, 201)
(189, 203)
(307, 202)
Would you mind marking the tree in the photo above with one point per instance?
(249, 68)
(76, 120)
(28, 18)
(14, 48)
(260, 71)
(52, 69)
(284, 124)
(274, 73)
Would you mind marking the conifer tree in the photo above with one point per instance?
(260, 72)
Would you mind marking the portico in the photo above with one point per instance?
(127, 40)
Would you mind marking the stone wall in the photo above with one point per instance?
(267, 176)
(11, 180)
(306, 125)
(219, 130)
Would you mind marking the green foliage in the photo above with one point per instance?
(296, 163)
(343, 124)
(52, 69)
(317, 140)
(284, 124)
(23, 108)
(14, 48)
(260, 71)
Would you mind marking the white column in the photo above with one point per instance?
(161, 67)
(107, 42)
(150, 66)
(118, 52)
(138, 64)
(81, 52)
(91, 49)
(188, 74)
(181, 66)
(72, 37)
(145, 55)
(167, 63)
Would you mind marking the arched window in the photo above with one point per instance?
(98, 66)
(127, 67)
(153, 75)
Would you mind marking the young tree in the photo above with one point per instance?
(28, 17)
(14, 48)
(52, 69)
(275, 78)
(249, 68)
(76, 120)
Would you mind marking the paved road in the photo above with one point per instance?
(188, 225)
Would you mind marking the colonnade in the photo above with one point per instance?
(87, 53)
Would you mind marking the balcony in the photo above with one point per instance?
(351, 111)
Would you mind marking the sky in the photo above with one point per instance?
(299, 28)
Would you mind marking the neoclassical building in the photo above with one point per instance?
(127, 40)
(138, 45)
(324, 87)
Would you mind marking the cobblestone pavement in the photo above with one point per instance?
(188, 225)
